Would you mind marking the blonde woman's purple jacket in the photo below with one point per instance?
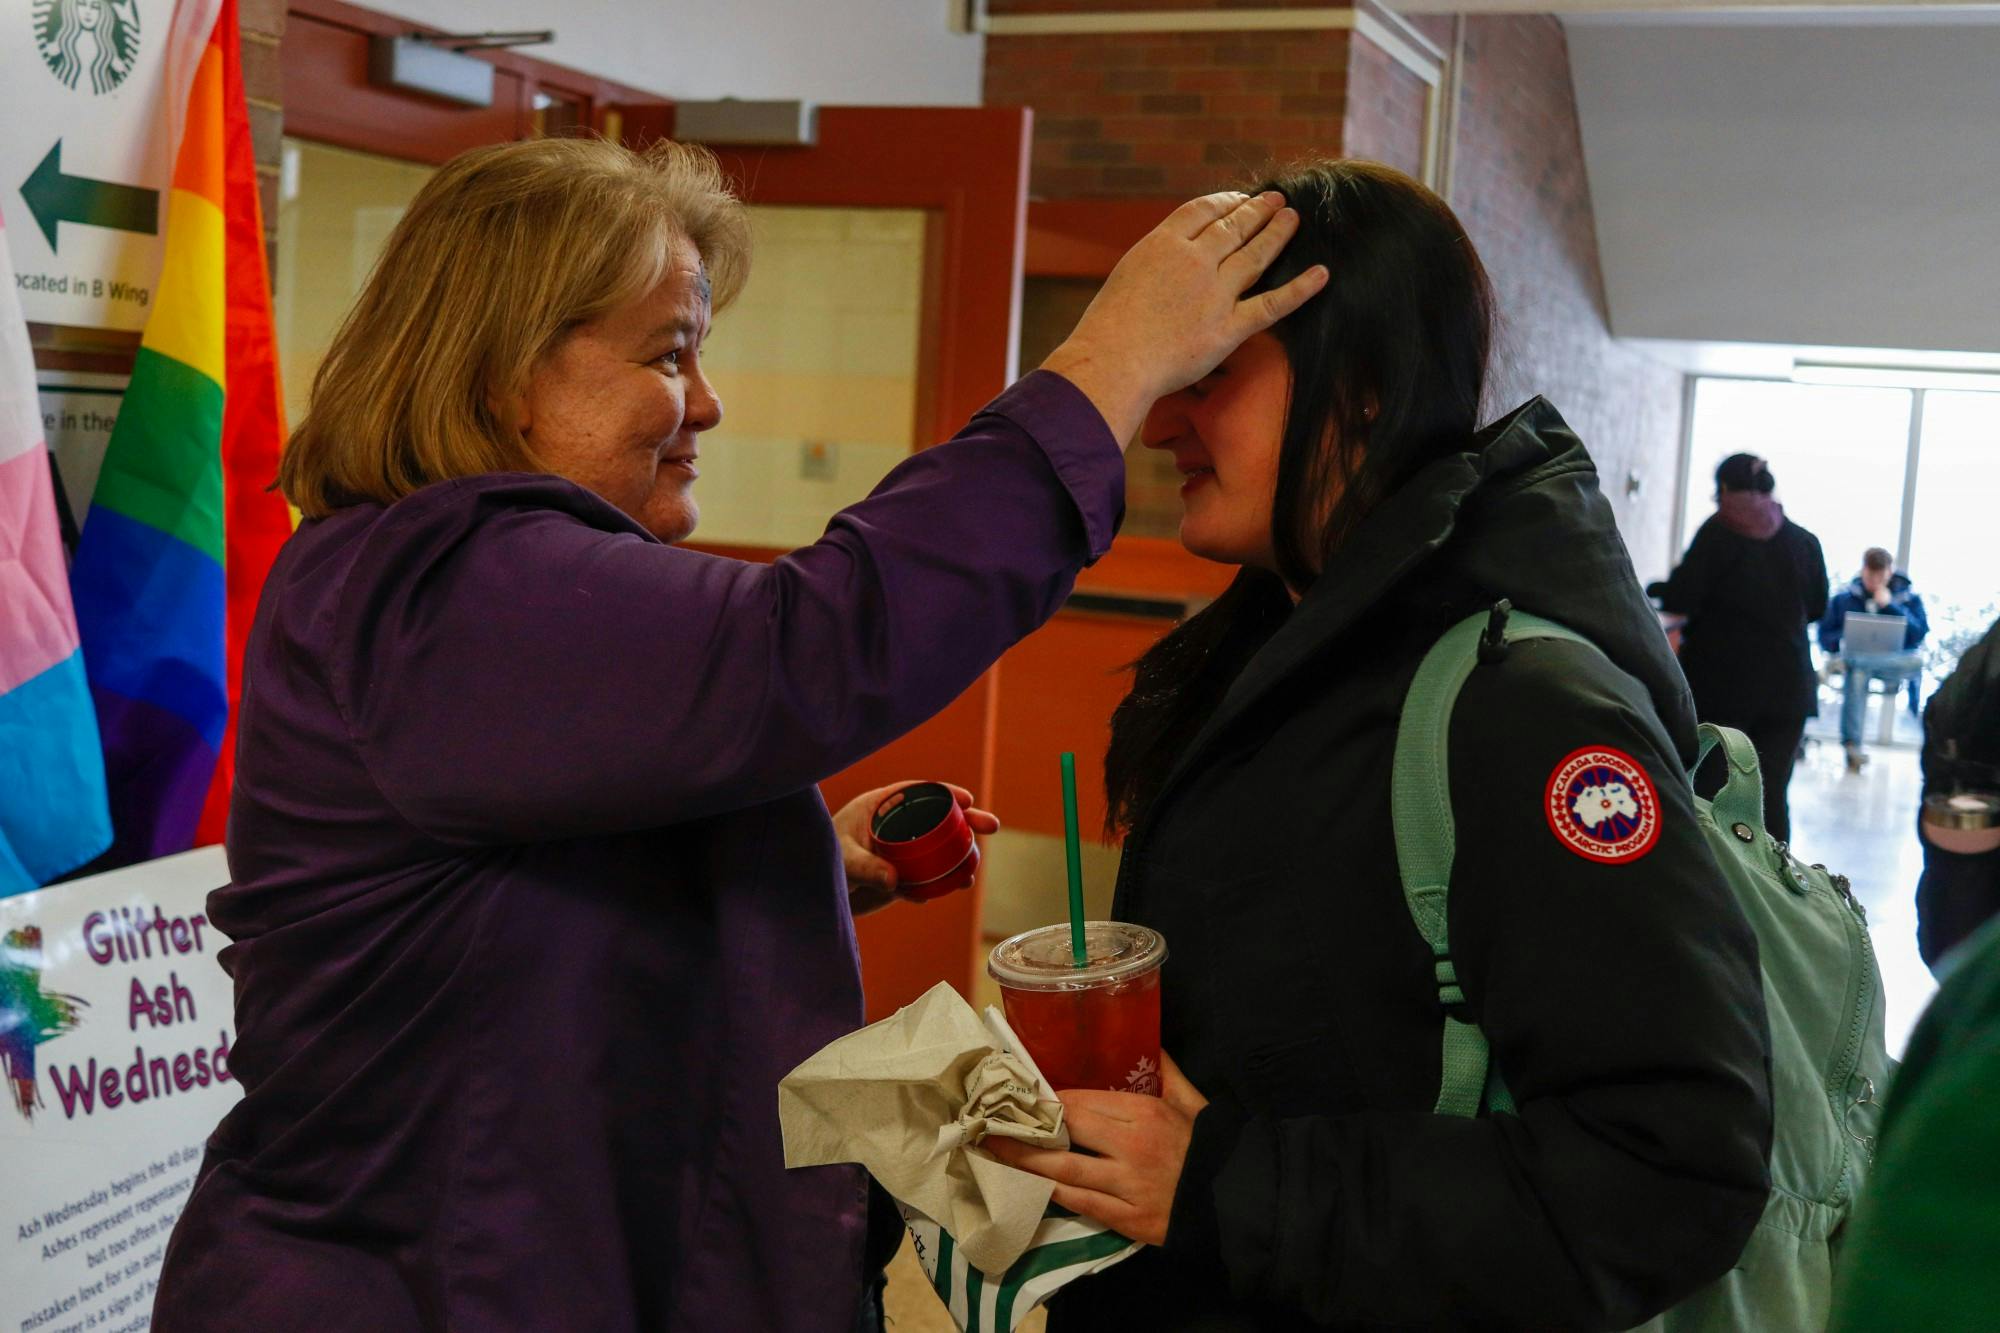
(534, 899)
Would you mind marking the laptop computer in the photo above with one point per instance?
(1865, 634)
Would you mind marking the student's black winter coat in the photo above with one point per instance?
(1960, 891)
(1622, 998)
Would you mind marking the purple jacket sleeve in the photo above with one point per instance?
(526, 664)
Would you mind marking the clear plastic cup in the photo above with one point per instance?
(1095, 1026)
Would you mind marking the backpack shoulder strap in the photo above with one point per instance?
(1426, 836)
(1740, 802)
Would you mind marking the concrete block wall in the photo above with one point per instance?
(262, 25)
(1520, 187)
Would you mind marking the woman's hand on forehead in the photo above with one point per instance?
(1174, 307)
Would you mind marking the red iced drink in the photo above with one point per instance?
(1095, 1026)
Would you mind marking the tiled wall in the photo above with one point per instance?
(334, 212)
(817, 365)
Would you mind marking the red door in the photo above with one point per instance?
(965, 172)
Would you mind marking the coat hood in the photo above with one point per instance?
(1518, 515)
(1537, 530)
(1751, 513)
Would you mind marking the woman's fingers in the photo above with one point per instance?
(1168, 314)
(1193, 217)
(1175, 1089)
(1234, 229)
(982, 821)
(1113, 1212)
(1065, 1168)
(1128, 1177)
(864, 867)
(1261, 311)
(1246, 265)
(1095, 1107)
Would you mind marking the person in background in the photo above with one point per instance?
(1749, 584)
(1960, 887)
(1877, 590)
(1296, 1174)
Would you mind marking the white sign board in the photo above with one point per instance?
(115, 1030)
(78, 411)
(92, 94)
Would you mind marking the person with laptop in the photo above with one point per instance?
(1875, 624)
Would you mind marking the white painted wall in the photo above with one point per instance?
(834, 52)
(1795, 182)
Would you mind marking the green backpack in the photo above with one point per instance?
(1822, 988)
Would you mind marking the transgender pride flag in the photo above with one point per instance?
(181, 530)
(52, 813)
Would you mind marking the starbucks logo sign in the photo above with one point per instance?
(88, 43)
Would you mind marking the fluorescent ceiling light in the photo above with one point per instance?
(1894, 377)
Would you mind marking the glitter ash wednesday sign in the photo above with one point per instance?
(115, 1032)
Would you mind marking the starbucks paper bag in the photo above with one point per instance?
(1066, 1247)
(911, 1098)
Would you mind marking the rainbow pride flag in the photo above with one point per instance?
(52, 809)
(180, 531)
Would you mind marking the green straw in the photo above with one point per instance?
(1078, 952)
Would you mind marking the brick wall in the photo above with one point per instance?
(1519, 186)
(1139, 114)
(262, 24)
(1385, 110)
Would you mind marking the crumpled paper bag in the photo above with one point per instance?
(911, 1098)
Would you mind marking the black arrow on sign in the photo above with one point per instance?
(53, 198)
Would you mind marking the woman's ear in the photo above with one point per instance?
(510, 410)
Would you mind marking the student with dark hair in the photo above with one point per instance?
(1298, 1172)
(1750, 583)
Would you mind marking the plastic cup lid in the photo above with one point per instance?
(1967, 809)
(1040, 959)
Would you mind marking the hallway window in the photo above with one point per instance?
(1953, 548)
(1839, 455)
(1849, 470)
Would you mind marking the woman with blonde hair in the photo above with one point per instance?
(533, 896)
